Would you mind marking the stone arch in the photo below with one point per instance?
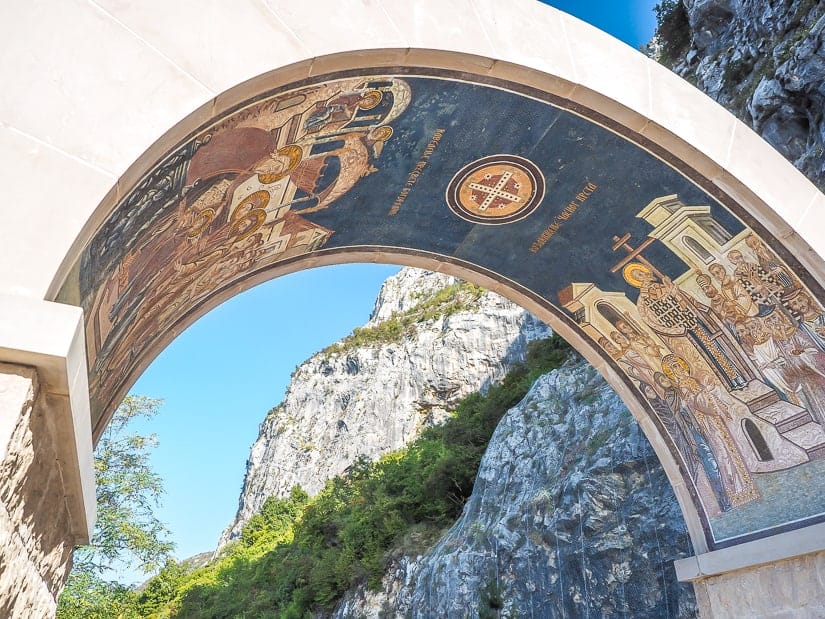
(282, 177)
(632, 105)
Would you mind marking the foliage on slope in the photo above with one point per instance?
(299, 555)
(672, 30)
(127, 531)
(461, 296)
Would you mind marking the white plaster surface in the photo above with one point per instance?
(456, 25)
(42, 334)
(813, 220)
(331, 27)
(78, 80)
(47, 196)
(691, 115)
(770, 176)
(197, 37)
(506, 30)
(596, 59)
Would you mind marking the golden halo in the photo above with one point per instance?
(669, 361)
(249, 215)
(381, 134)
(295, 154)
(242, 229)
(201, 223)
(628, 271)
(370, 100)
(292, 152)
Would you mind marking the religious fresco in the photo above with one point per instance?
(723, 341)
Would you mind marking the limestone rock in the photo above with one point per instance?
(363, 401)
(571, 515)
(709, 19)
(765, 61)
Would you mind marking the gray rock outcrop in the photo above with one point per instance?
(359, 399)
(571, 516)
(765, 61)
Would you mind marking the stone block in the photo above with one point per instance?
(790, 589)
(36, 541)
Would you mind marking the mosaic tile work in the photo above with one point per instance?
(719, 336)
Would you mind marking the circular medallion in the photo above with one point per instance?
(498, 189)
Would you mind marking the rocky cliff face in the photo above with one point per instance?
(571, 516)
(765, 61)
(430, 341)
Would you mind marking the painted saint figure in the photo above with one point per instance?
(711, 413)
(641, 341)
(678, 317)
(237, 211)
(687, 437)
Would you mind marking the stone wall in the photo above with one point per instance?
(35, 538)
(790, 589)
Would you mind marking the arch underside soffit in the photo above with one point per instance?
(716, 333)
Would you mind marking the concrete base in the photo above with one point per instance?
(789, 589)
(782, 576)
(36, 537)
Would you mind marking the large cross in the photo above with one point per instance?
(633, 253)
(495, 191)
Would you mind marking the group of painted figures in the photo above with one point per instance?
(737, 378)
(246, 190)
(731, 357)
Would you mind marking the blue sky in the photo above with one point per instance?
(220, 377)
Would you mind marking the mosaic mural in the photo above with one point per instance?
(722, 340)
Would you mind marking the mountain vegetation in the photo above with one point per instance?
(299, 555)
(127, 531)
(458, 297)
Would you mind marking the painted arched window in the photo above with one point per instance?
(713, 229)
(693, 245)
(757, 441)
(609, 312)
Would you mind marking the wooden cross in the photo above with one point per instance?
(633, 253)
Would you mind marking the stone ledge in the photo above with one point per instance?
(49, 337)
(751, 554)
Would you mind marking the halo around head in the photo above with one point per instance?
(630, 271)
(381, 134)
(671, 360)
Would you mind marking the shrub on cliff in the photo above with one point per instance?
(300, 555)
(672, 30)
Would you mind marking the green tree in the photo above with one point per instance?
(127, 532)
(672, 30)
(89, 596)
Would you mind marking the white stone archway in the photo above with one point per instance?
(91, 87)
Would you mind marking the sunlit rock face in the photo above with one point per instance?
(364, 400)
(764, 61)
(571, 516)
